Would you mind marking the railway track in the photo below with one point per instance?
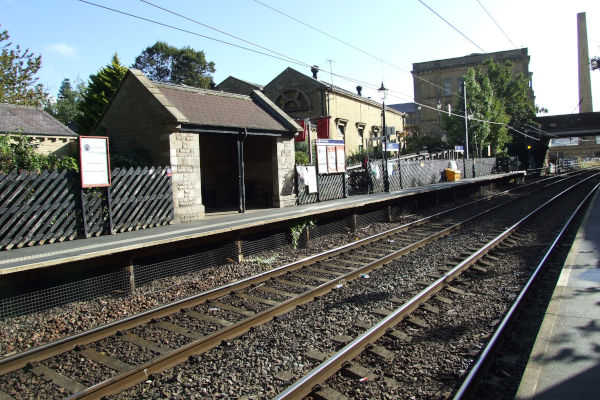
(195, 325)
(314, 384)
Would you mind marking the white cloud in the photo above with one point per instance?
(62, 49)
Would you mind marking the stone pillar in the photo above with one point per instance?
(283, 172)
(185, 163)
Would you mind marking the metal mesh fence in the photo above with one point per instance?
(484, 166)
(116, 283)
(422, 172)
(371, 217)
(331, 226)
(263, 241)
(467, 170)
(150, 269)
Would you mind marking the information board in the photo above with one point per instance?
(94, 161)
(331, 156)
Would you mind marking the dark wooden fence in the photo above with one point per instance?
(45, 207)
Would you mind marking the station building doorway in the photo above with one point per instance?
(226, 182)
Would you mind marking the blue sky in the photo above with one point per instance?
(77, 39)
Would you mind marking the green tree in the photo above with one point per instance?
(66, 108)
(495, 98)
(186, 66)
(18, 69)
(99, 90)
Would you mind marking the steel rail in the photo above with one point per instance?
(20, 360)
(16, 361)
(318, 375)
(141, 373)
(478, 368)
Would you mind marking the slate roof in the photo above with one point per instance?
(213, 108)
(404, 107)
(31, 120)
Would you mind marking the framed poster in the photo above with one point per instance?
(331, 159)
(340, 152)
(331, 156)
(94, 161)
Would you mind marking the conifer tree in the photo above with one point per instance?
(66, 107)
(101, 87)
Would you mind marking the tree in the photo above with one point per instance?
(66, 108)
(18, 83)
(99, 90)
(186, 66)
(494, 95)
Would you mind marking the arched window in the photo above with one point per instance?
(293, 100)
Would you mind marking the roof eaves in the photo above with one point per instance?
(265, 103)
(154, 89)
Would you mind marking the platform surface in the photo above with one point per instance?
(565, 360)
(48, 255)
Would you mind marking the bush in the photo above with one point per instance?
(20, 152)
(301, 153)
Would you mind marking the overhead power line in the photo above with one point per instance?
(501, 30)
(283, 58)
(453, 27)
(221, 31)
(276, 55)
(348, 44)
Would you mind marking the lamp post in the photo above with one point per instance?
(386, 182)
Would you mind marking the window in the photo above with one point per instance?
(447, 87)
(341, 127)
(460, 82)
(293, 100)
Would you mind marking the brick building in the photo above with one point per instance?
(50, 135)
(225, 150)
(336, 112)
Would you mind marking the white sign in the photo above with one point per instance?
(93, 161)
(569, 141)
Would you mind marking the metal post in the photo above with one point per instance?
(466, 122)
(241, 178)
(386, 181)
(110, 213)
(84, 215)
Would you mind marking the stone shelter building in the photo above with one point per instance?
(436, 84)
(338, 113)
(225, 150)
(50, 135)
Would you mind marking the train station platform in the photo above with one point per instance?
(48, 255)
(565, 360)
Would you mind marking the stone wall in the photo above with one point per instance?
(185, 163)
(284, 173)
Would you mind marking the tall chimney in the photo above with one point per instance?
(585, 86)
